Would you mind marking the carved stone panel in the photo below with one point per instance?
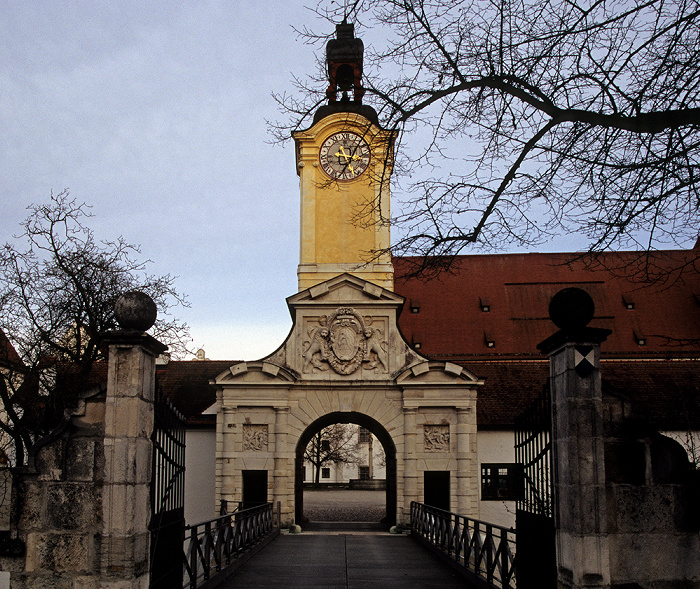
(436, 438)
(344, 341)
(254, 437)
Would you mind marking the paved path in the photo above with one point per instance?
(347, 561)
(344, 505)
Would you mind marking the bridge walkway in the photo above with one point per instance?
(348, 560)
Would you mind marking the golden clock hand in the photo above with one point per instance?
(343, 154)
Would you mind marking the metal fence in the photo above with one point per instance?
(534, 514)
(483, 552)
(214, 548)
(167, 522)
(533, 450)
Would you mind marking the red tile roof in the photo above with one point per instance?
(453, 322)
(666, 393)
(186, 384)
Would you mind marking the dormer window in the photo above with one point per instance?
(640, 338)
(417, 341)
(489, 340)
(415, 306)
(628, 301)
(484, 305)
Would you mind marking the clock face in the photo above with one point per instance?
(344, 156)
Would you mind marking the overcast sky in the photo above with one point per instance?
(155, 114)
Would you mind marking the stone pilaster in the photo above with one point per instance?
(127, 445)
(228, 456)
(409, 459)
(466, 503)
(583, 556)
(284, 463)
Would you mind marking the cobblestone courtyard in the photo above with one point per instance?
(342, 505)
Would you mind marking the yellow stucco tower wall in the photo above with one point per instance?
(344, 222)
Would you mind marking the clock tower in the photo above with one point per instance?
(344, 164)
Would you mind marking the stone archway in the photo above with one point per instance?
(358, 419)
(346, 361)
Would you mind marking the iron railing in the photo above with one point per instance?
(484, 552)
(212, 548)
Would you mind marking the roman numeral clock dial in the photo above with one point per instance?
(344, 156)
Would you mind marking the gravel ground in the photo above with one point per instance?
(340, 505)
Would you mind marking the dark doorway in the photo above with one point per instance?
(358, 419)
(436, 489)
(254, 488)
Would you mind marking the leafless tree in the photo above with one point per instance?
(58, 286)
(533, 118)
(335, 444)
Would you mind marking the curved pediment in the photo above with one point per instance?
(436, 373)
(258, 372)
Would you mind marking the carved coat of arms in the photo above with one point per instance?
(343, 341)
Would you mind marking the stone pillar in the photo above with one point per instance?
(127, 445)
(410, 471)
(465, 498)
(583, 556)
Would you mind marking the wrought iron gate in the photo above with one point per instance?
(534, 516)
(167, 523)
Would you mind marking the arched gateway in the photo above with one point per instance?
(346, 361)
(358, 419)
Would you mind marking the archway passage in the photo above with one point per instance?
(358, 419)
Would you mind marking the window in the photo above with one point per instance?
(365, 435)
(325, 473)
(364, 473)
(502, 482)
(325, 445)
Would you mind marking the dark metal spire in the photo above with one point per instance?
(344, 62)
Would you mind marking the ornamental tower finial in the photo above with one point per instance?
(344, 62)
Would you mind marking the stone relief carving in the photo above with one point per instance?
(344, 341)
(254, 437)
(436, 438)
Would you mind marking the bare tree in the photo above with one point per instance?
(534, 118)
(58, 286)
(335, 444)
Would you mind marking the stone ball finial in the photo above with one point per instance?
(571, 308)
(135, 310)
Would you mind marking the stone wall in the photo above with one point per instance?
(653, 514)
(58, 506)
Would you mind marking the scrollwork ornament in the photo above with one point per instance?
(344, 341)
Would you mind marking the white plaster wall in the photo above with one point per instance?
(200, 479)
(690, 440)
(495, 446)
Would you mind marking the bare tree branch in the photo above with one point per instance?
(542, 118)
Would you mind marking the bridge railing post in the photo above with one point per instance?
(194, 555)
